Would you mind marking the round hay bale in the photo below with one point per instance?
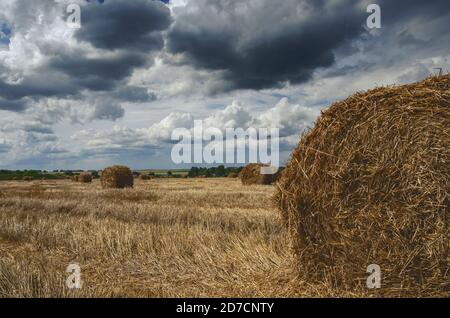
(251, 174)
(117, 177)
(74, 178)
(233, 175)
(144, 177)
(27, 178)
(84, 177)
(369, 184)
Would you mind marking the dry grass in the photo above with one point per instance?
(165, 238)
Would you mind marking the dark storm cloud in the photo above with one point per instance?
(124, 24)
(66, 75)
(97, 74)
(265, 43)
(12, 105)
(135, 27)
(398, 10)
(35, 87)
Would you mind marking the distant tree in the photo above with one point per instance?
(194, 172)
(220, 171)
(94, 173)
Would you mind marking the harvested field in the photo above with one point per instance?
(164, 238)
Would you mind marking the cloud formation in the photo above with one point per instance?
(263, 44)
(136, 70)
(127, 25)
(292, 120)
(116, 38)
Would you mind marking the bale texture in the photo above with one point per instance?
(251, 174)
(144, 177)
(233, 175)
(369, 184)
(117, 177)
(84, 177)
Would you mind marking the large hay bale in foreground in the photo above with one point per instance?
(117, 177)
(251, 174)
(370, 185)
(84, 177)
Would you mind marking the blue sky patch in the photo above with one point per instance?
(5, 34)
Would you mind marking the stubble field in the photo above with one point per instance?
(164, 238)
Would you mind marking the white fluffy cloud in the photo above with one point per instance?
(292, 120)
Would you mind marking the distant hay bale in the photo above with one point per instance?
(233, 175)
(144, 177)
(251, 174)
(369, 184)
(74, 178)
(84, 177)
(27, 178)
(117, 177)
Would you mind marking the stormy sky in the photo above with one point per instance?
(113, 90)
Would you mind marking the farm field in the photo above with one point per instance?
(164, 238)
